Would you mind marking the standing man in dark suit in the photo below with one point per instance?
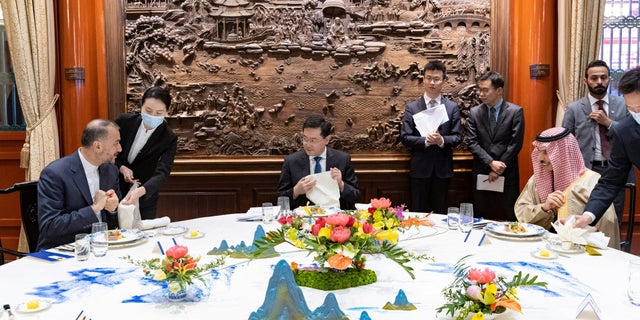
(431, 154)
(81, 188)
(314, 158)
(591, 123)
(148, 149)
(624, 153)
(495, 130)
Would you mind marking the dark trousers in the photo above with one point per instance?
(618, 202)
(429, 194)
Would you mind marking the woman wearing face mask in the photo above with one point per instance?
(148, 149)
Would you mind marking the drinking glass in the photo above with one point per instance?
(453, 216)
(267, 212)
(99, 239)
(466, 217)
(283, 203)
(82, 246)
(633, 286)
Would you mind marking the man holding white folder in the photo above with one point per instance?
(430, 129)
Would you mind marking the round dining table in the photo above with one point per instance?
(579, 285)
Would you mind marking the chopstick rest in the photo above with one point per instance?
(591, 251)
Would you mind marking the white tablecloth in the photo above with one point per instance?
(109, 287)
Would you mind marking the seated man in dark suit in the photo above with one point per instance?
(315, 158)
(624, 153)
(81, 188)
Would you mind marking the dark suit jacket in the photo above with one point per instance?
(503, 145)
(624, 154)
(576, 119)
(296, 167)
(426, 161)
(153, 164)
(64, 202)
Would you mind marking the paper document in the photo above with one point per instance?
(482, 183)
(326, 193)
(429, 120)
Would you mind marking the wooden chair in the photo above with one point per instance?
(28, 213)
(626, 245)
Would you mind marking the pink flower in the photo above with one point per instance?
(321, 221)
(382, 203)
(481, 276)
(177, 251)
(340, 234)
(351, 221)
(338, 219)
(315, 229)
(367, 227)
(473, 292)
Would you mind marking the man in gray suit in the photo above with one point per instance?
(624, 152)
(431, 153)
(495, 130)
(591, 123)
(317, 157)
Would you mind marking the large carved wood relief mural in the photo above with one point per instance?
(244, 74)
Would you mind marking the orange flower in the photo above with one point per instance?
(382, 203)
(507, 303)
(338, 261)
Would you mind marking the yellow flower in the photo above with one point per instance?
(325, 232)
(478, 316)
(378, 225)
(490, 293)
(298, 243)
(363, 215)
(377, 216)
(389, 235)
(159, 275)
(292, 234)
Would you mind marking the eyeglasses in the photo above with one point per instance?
(435, 80)
(311, 140)
(483, 90)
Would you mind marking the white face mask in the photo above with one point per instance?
(636, 116)
(150, 121)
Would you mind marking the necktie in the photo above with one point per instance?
(318, 167)
(492, 118)
(605, 144)
(432, 103)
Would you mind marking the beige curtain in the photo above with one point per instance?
(30, 32)
(579, 34)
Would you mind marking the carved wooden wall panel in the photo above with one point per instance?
(245, 74)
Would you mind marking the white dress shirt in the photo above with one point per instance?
(142, 136)
(597, 152)
(323, 162)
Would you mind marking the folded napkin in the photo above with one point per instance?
(326, 193)
(362, 206)
(128, 214)
(582, 236)
(154, 223)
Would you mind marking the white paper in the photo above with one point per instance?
(326, 192)
(482, 183)
(428, 121)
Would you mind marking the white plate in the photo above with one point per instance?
(325, 211)
(127, 236)
(552, 255)
(173, 230)
(575, 248)
(189, 236)
(531, 229)
(44, 304)
(511, 238)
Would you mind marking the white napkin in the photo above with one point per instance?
(362, 206)
(583, 236)
(128, 214)
(326, 192)
(154, 223)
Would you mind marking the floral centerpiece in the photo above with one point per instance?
(178, 268)
(479, 292)
(340, 243)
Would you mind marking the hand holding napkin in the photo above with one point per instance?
(567, 232)
(154, 223)
(326, 193)
(129, 214)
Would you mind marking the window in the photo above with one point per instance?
(620, 38)
(11, 118)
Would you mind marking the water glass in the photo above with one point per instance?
(283, 203)
(466, 217)
(82, 246)
(99, 239)
(633, 286)
(453, 216)
(267, 212)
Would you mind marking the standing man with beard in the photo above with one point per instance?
(591, 120)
